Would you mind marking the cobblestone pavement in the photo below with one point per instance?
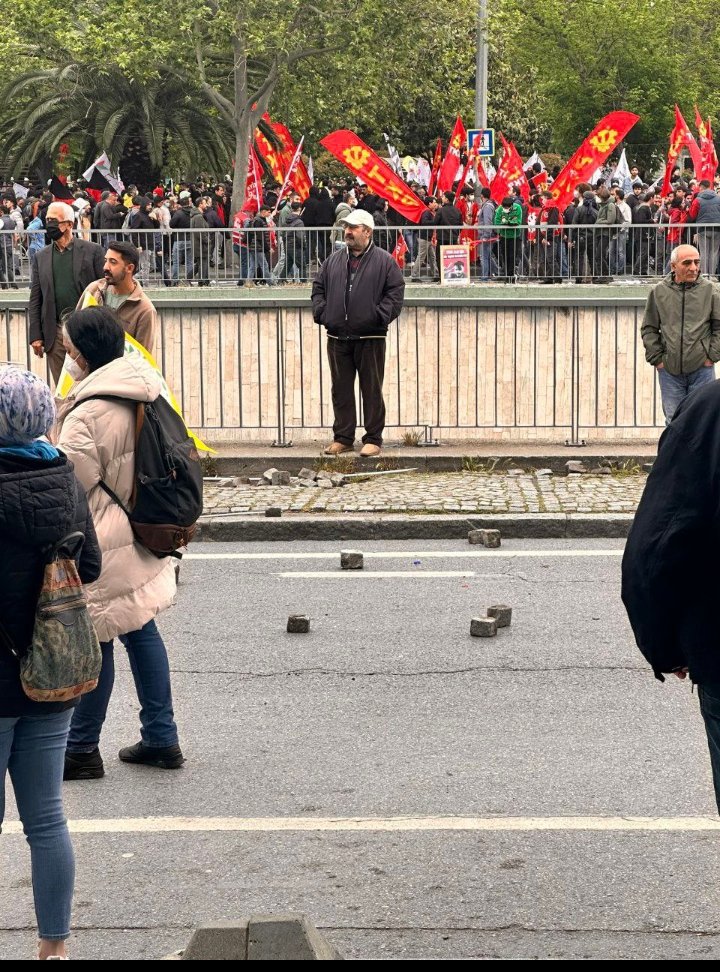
(440, 493)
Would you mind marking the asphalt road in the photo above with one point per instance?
(549, 737)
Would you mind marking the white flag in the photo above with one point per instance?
(423, 172)
(311, 171)
(103, 166)
(20, 191)
(622, 172)
(395, 163)
(532, 160)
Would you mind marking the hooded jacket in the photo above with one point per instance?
(41, 502)
(681, 325)
(365, 310)
(99, 437)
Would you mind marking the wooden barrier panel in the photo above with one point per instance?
(499, 373)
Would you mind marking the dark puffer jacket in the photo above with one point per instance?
(41, 502)
(365, 309)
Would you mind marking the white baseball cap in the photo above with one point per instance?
(358, 217)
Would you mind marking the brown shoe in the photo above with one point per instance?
(369, 451)
(337, 449)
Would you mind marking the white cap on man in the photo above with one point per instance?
(358, 217)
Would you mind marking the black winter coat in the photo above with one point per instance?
(40, 503)
(448, 215)
(375, 300)
(670, 572)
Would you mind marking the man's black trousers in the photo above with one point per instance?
(364, 357)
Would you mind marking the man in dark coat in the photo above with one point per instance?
(355, 296)
(64, 269)
(669, 577)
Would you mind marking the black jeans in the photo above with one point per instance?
(709, 696)
(364, 357)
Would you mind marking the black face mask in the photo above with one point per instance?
(53, 230)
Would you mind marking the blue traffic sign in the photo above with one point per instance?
(487, 140)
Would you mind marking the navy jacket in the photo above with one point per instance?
(670, 570)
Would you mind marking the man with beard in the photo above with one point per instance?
(63, 270)
(121, 292)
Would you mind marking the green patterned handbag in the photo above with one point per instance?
(64, 659)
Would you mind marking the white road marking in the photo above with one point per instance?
(407, 554)
(169, 825)
(371, 574)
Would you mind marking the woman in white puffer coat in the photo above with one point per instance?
(98, 436)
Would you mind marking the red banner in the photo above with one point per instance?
(300, 179)
(437, 162)
(451, 163)
(596, 148)
(472, 156)
(253, 185)
(510, 172)
(709, 161)
(379, 177)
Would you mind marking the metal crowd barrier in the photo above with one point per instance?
(280, 256)
(501, 370)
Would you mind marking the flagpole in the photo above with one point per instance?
(481, 67)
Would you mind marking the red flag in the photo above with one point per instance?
(596, 148)
(401, 248)
(253, 184)
(680, 135)
(437, 161)
(451, 162)
(707, 148)
(300, 179)
(713, 158)
(509, 172)
(380, 178)
(271, 155)
(472, 155)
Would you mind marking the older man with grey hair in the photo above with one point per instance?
(63, 270)
(681, 329)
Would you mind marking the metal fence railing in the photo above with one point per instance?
(498, 371)
(285, 255)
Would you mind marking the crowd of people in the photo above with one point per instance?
(617, 227)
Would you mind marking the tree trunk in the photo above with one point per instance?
(242, 152)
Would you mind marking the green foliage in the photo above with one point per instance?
(102, 108)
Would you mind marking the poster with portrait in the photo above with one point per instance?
(455, 265)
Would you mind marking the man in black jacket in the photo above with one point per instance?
(355, 296)
(64, 269)
(448, 215)
(669, 578)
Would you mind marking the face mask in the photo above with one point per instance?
(73, 369)
(54, 232)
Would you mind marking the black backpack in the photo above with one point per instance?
(167, 499)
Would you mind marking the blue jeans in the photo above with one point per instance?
(32, 750)
(709, 696)
(259, 266)
(151, 671)
(676, 388)
(488, 267)
(181, 253)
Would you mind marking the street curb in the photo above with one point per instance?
(528, 526)
(426, 462)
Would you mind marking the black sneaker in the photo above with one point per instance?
(166, 757)
(83, 766)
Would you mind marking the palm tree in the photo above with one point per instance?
(136, 122)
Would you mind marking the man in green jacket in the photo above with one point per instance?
(681, 329)
(508, 217)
